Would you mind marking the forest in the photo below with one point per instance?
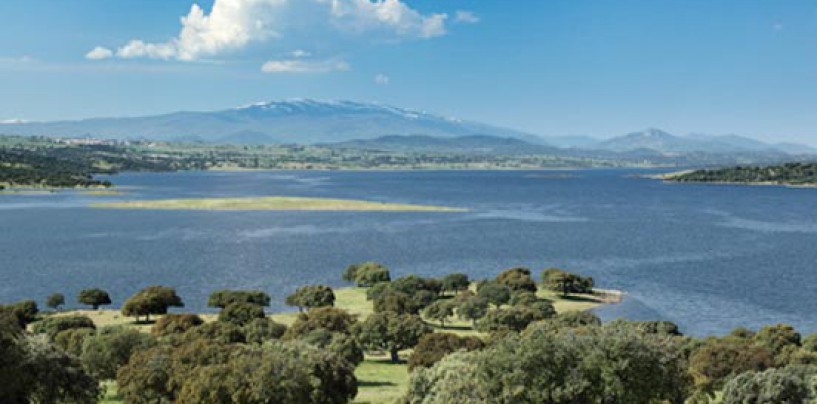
(514, 338)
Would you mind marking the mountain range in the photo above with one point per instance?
(368, 125)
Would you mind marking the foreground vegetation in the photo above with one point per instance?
(798, 174)
(509, 339)
(273, 203)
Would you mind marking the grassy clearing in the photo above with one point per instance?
(273, 203)
(380, 381)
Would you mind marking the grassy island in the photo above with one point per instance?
(274, 203)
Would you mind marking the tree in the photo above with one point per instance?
(23, 312)
(495, 293)
(712, 364)
(397, 302)
(366, 274)
(391, 332)
(472, 308)
(223, 298)
(261, 330)
(515, 318)
(72, 340)
(94, 297)
(241, 313)
(440, 310)
(311, 296)
(565, 282)
(328, 318)
(592, 365)
(151, 300)
(517, 279)
(575, 319)
(786, 385)
(523, 298)
(109, 349)
(455, 282)
(433, 347)
(55, 300)
(781, 339)
(53, 376)
(171, 324)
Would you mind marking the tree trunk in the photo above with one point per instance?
(442, 323)
(395, 358)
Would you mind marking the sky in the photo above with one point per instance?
(549, 67)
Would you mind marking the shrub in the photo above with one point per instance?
(433, 347)
(366, 274)
(241, 313)
(225, 297)
(53, 325)
(312, 296)
(261, 330)
(109, 349)
(175, 324)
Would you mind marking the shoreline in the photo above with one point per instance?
(274, 203)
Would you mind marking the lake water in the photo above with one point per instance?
(707, 257)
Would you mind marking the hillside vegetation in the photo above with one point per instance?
(786, 174)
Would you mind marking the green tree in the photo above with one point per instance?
(261, 330)
(151, 300)
(241, 313)
(517, 279)
(54, 376)
(781, 339)
(109, 349)
(55, 300)
(495, 293)
(455, 282)
(23, 312)
(433, 347)
(366, 274)
(786, 385)
(94, 297)
(592, 365)
(397, 302)
(440, 311)
(717, 360)
(515, 318)
(311, 296)
(565, 282)
(223, 298)
(472, 308)
(391, 332)
(328, 318)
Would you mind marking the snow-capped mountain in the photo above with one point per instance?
(292, 121)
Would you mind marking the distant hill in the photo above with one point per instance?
(477, 144)
(667, 143)
(301, 121)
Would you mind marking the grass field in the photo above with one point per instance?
(380, 381)
(273, 203)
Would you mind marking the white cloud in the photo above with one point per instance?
(304, 66)
(381, 79)
(466, 17)
(99, 53)
(300, 53)
(232, 24)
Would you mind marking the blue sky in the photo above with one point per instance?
(551, 67)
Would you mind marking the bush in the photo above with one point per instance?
(495, 293)
(241, 313)
(73, 339)
(713, 363)
(53, 325)
(397, 302)
(23, 312)
(175, 324)
(455, 282)
(515, 318)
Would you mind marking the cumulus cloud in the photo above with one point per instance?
(99, 53)
(466, 17)
(300, 53)
(233, 24)
(381, 79)
(304, 66)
